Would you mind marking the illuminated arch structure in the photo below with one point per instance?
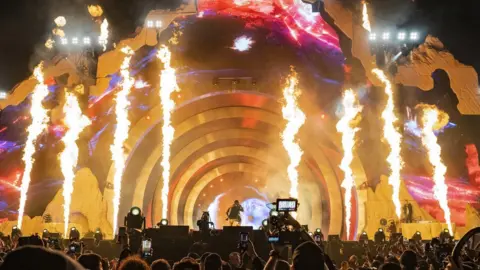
(234, 132)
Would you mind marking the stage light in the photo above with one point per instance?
(386, 36)
(310, 233)
(3, 95)
(379, 236)
(16, 231)
(98, 235)
(45, 234)
(445, 236)
(318, 230)
(417, 236)
(86, 40)
(413, 36)
(401, 36)
(265, 223)
(150, 24)
(163, 222)
(134, 219)
(318, 235)
(64, 41)
(74, 234)
(372, 36)
(274, 213)
(158, 24)
(75, 40)
(363, 237)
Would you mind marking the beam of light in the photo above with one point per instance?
(429, 139)
(168, 85)
(95, 10)
(365, 19)
(103, 39)
(393, 137)
(295, 119)
(60, 21)
(39, 123)
(347, 126)
(75, 121)
(121, 131)
(242, 44)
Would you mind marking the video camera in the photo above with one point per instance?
(282, 228)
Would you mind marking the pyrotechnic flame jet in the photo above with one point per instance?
(295, 119)
(76, 122)
(347, 126)
(168, 85)
(366, 20)
(39, 123)
(429, 139)
(104, 34)
(393, 137)
(121, 131)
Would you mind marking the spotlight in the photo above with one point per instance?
(75, 40)
(318, 235)
(372, 36)
(45, 234)
(163, 222)
(134, 219)
(401, 36)
(417, 236)
(16, 231)
(379, 236)
(150, 24)
(64, 41)
(274, 213)
(363, 237)
(86, 41)
(158, 24)
(445, 236)
(74, 234)
(98, 235)
(3, 95)
(265, 223)
(386, 36)
(413, 36)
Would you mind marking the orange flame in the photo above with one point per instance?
(346, 125)
(121, 132)
(429, 140)
(393, 138)
(75, 121)
(295, 119)
(366, 20)
(168, 85)
(39, 124)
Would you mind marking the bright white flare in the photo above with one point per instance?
(39, 123)
(103, 39)
(429, 139)
(168, 85)
(242, 43)
(366, 20)
(60, 21)
(295, 119)
(121, 132)
(394, 139)
(347, 126)
(75, 121)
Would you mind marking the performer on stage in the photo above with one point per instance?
(408, 212)
(233, 214)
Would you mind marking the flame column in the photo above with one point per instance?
(347, 126)
(121, 132)
(75, 121)
(295, 120)
(168, 85)
(39, 124)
